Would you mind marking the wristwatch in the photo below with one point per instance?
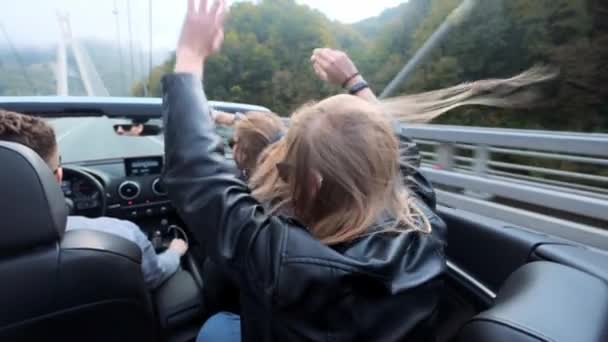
(357, 87)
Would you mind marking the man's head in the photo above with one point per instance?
(34, 133)
(132, 130)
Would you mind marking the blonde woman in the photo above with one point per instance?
(253, 133)
(360, 260)
(336, 67)
(359, 257)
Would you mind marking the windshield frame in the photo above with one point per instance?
(56, 107)
(111, 107)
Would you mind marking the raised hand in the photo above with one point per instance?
(202, 34)
(334, 66)
(337, 68)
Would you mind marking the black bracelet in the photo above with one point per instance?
(349, 79)
(355, 89)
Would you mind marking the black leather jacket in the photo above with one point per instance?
(293, 288)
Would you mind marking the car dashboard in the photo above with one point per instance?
(126, 188)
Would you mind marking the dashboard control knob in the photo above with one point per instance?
(134, 214)
(163, 209)
(128, 190)
(149, 212)
(158, 187)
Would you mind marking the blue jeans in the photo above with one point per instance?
(223, 326)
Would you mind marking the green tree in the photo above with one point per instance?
(265, 58)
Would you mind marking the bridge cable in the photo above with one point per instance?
(150, 46)
(119, 43)
(457, 16)
(18, 59)
(130, 42)
(142, 59)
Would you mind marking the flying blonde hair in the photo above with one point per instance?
(520, 91)
(350, 144)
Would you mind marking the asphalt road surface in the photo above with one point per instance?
(83, 139)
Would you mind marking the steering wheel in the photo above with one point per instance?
(75, 173)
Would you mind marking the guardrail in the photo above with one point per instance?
(555, 182)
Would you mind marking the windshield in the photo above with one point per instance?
(123, 47)
(102, 141)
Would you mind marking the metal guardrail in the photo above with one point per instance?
(590, 236)
(507, 170)
(595, 145)
(553, 199)
(479, 169)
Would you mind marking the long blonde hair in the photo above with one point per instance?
(253, 134)
(520, 91)
(350, 146)
(342, 171)
(265, 182)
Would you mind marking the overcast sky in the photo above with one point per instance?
(33, 22)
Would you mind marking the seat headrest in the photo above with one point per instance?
(32, 206)
(544, 301)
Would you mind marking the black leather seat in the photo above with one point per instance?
(77, 286)
(544, 301)
(178, 301)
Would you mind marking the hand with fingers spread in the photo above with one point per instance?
(334, 66)
(202, 35)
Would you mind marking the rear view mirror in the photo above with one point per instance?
(137, 130)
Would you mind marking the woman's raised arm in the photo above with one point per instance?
(216, 206)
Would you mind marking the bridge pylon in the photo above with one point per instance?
(93, 84)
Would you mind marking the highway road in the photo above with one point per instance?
(83, 139)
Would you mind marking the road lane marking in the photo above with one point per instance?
(161, 143)
(69, 132)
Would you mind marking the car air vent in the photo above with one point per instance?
(158, 187)
(128, 190)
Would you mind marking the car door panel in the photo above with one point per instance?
(586, 259)
(488, 250)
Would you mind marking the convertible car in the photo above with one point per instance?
(505, 283)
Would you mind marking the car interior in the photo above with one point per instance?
(504, 282)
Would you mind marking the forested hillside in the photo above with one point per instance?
(265, 56)
(40, 78)
(39, 75)
(503, 38)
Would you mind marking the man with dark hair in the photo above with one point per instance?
(39, 136)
